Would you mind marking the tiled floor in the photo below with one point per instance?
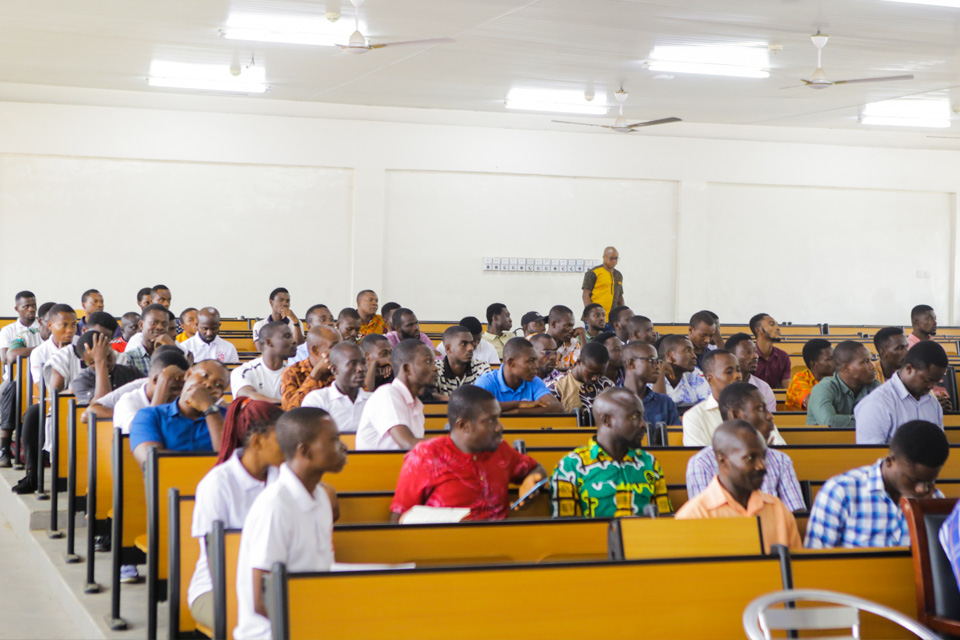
(28, 608)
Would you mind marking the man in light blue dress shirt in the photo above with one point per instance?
(904, 397)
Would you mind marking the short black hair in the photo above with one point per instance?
(734, 397)
(812, 349)
(371, 340)
(557, 312)
(926, 354)
(398, 315)
(614, 316)
(494, 309)
(755, 322)
(734, 341)
(159, 287)
(298, 426)
(278, 290)
(23, 294)
(883, 336)
(540, 337)
(164, 356)
(918, 311)
(146, 291)
(103, 319)
(360, 295)
(671, 342)
(44, 310)
(269, 330)
(404, 352)
(587, 309)
(86, 341)
(515, 345)
(464, 403)
(473, 325)
(186, 311)
(159, 308)
(315, 307)
(62, 308)
(710, 356)
(388, 307)
(454, 330)
(921, 442)
(634, 323)
(844, 352)
(603, 336)
(86, 294)
(131, 315)
(702, 317)
(594, 352)
(348, 312)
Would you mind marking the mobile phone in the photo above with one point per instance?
(532, 491)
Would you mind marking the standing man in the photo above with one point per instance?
(924, 321)
(604, 284)
(499, 324)
(774, 364)
(280, 311)
(891, 344)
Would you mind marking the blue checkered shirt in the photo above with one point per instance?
(950, 539)
(138, 358)
(854, 510)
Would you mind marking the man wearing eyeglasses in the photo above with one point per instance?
(546, 349)
(603, 285)
(641, 366)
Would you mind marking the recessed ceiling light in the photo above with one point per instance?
(556, 101)
(265, 27)
(206, 77)
(730, 60)
(955, 4)
(908, 112)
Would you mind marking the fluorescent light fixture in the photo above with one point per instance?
(206, 77)
(265, 27)
(724, 60)
(955, 4)
(556, 101)
(932, 113)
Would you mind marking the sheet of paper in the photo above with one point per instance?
(354, 566)
(434, 515)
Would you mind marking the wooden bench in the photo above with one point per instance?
(556, 421)
(641, 538)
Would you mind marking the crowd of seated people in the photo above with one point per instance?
(163, 379)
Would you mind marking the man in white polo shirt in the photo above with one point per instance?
(260, 378)
(280, 311)
(393, 418)
(25, 332)
(345, 399)
(291, 521)
(207, 344)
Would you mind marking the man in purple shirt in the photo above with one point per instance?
(774, 365)
(407, 328)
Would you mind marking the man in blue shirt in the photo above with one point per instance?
(904, 397)
(192, 422)
(641, 366)
(515, 384)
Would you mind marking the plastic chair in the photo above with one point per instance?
(759, 619)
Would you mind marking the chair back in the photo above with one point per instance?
(937, 592)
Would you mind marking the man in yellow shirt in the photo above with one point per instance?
(735, 491)
(604, 284)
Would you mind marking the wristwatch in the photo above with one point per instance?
(210, 410)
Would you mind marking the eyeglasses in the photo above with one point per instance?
(651, 360)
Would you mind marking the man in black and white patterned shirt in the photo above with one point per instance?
(457, 368)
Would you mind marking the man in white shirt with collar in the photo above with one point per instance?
(164, 384)
(291, 521)
(207, 343)
(260, 378)
(345, 399)
(280, 311)
(25, 331)
(393, 419)
(720, 368)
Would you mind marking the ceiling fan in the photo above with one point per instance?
(358, 42)
(620, 124)
(819, 78)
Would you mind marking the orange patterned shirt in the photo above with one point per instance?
(376, 325)
(800, 387)
(296, 383)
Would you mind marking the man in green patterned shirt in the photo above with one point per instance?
(611, 476)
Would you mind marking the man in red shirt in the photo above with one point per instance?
(472, 467)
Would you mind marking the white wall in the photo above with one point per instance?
(328, 206)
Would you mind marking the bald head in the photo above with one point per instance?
(208, 324)
(210, 313)
(733, 436)
(610, 257)
(320, 339)
(344, 352)
(614, 400)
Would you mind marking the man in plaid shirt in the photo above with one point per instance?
(860, 508)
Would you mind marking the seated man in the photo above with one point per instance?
(742, 346)
(891, 345)
(63, 367)
(153, 331)
(482, 350)
(387, 313)
(742, 401)
(611, 476)
(143, 298)
(640, 329)
(207, 344)
(17, 339)
(317, 316)
(168, 368)
(614, 371)
(280, 311)
(345, 399)
(774, 364)
(100, 373)
(735, 491)
(472, 467)
(618, 318)
(861, 508)
(703, 328)
(159, 295)
(393, 419)
(291, 521)
(370, 322)
(585, 380)
(348, 324)
(924, 321)
(129, 326)
(189, 318)
(904, 397)
(560, 327)
(261, 378)
(192, 422)
(407, 328)
(457, 368)
(515, 384)
(546, 349)
(311, 374)
(91, 301)
(833, 399)
(818, 356)
(642, 369)
(377, 352)
(680, 377)
(721, 369)
(499, 324)
(532, 323)
(595, 319)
